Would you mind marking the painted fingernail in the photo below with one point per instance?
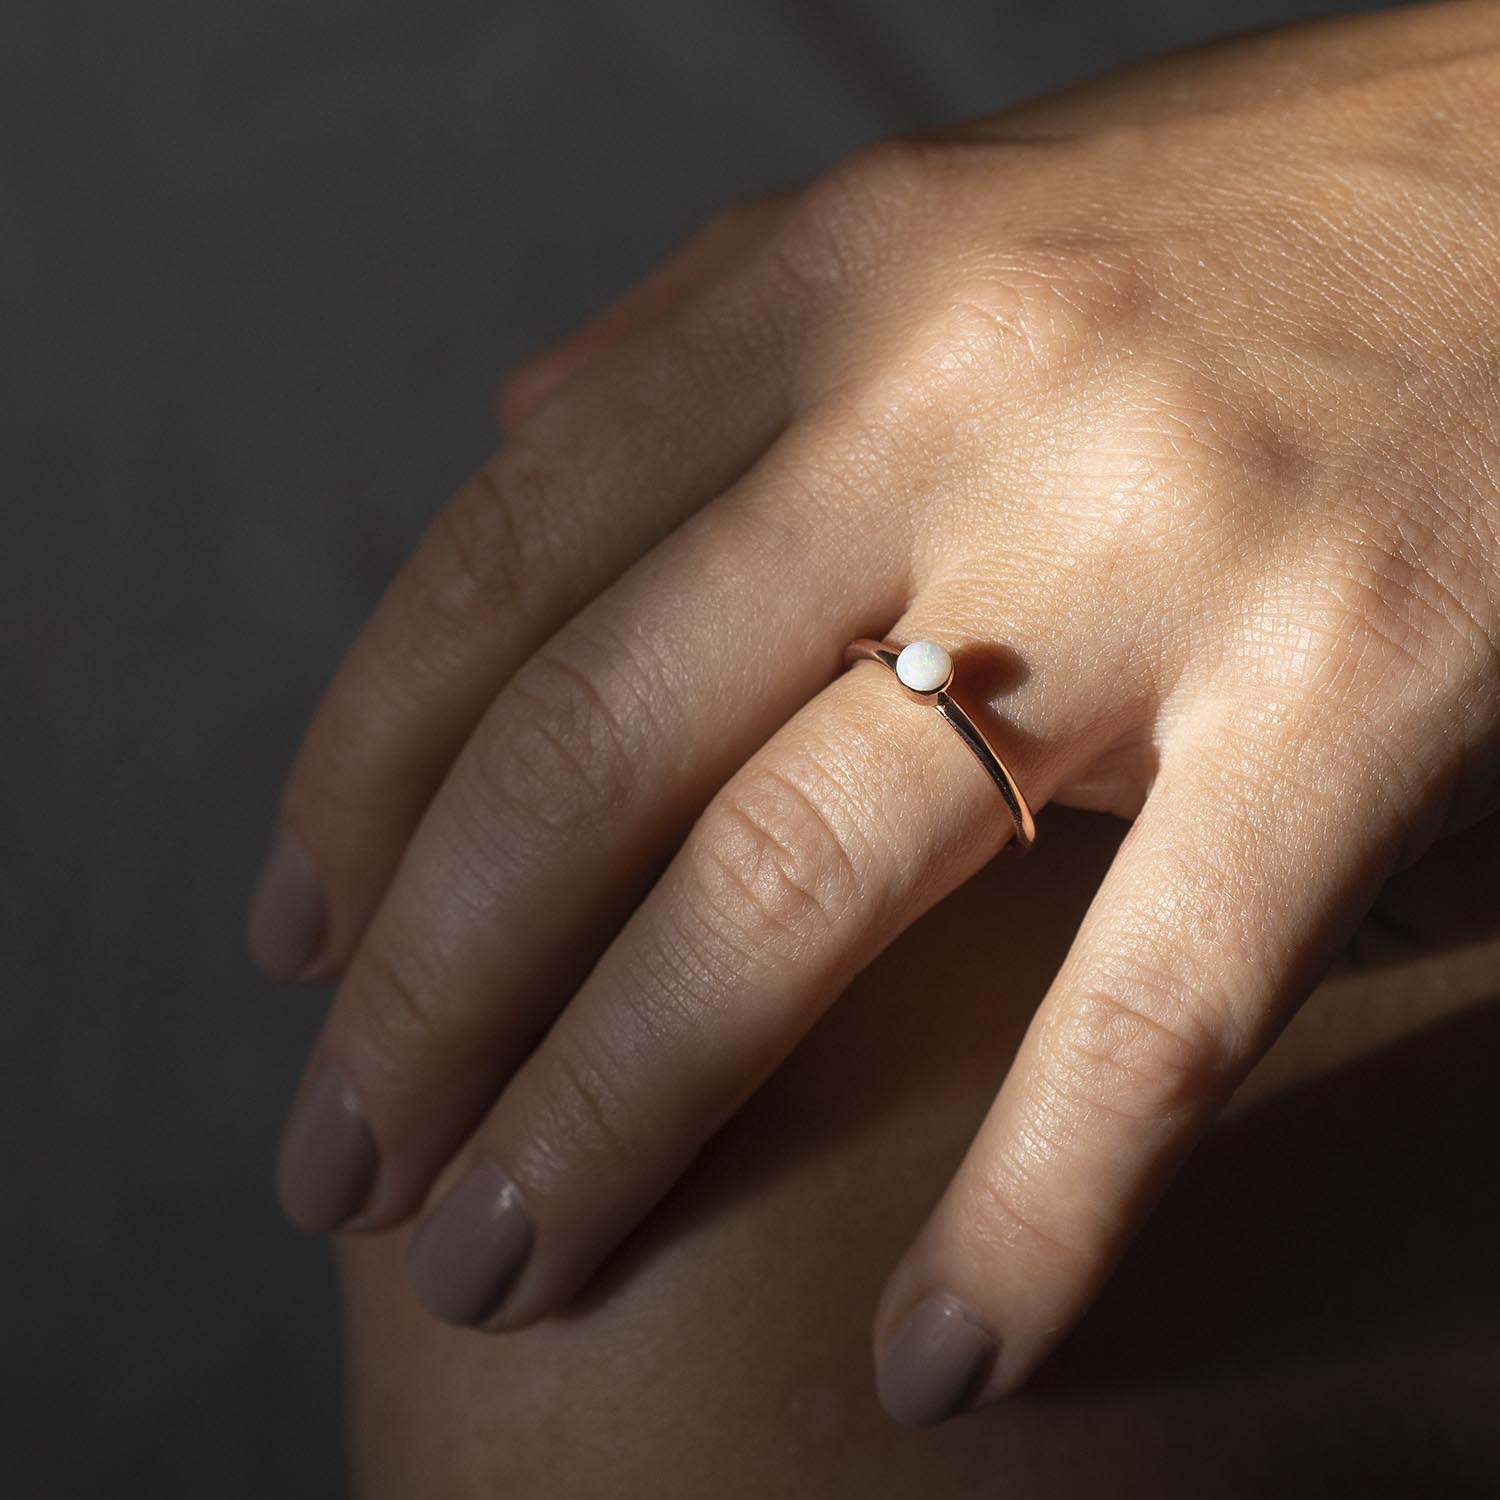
(327, 1162)
(287, 916)
(463, 1258)
(935, 1363)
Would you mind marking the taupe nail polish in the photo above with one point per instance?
(464, 1256)
(287, 916)
(935, 1363)
(327, 1162)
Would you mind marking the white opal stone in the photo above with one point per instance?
(924, 666)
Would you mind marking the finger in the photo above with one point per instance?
(1253, 858)
(652, 430)
(728, 235)
(850, 822)
(576, 787)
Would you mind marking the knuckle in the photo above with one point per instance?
(587, 1112)
(571, 744)
(1196, 458)
(772, 866)
(475, 565)
(399, 1019)
(1011, 1217)
(1375, 614)
(753, 531)
(1385, 607)
(1143, 1058)
(689, 976)
(1068, 296)
(860, 215)
(1194, 442)
(1030, 311)
(749, 312)
(1384, 610)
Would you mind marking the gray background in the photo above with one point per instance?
(260, 265)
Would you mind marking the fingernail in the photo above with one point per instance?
(463, 1258)
(287, 915)
(327, 1162)
(935, 1363)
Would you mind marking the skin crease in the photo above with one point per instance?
(1175, 393)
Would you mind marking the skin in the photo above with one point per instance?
(1168, 404)
(1311, 1312)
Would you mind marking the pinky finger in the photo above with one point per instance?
(1250, 864)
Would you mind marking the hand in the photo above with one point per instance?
(1179, 390)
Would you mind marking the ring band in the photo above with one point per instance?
(925, 670)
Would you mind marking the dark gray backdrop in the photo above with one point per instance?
(260, 265)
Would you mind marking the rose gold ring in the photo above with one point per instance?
(925, 670)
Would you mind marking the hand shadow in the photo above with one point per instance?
(1352, 1217)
